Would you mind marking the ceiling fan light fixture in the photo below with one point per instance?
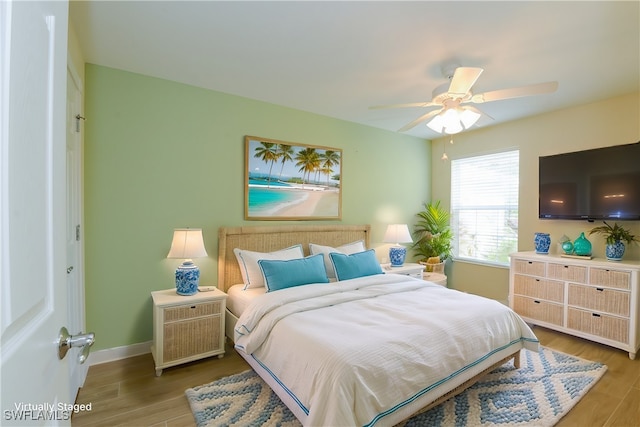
(453, 127)
(452, 97)
(468, 118)
(437, 123)
(453, 120)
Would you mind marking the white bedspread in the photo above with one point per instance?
(348, 353)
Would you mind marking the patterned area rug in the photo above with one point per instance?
(547, 385)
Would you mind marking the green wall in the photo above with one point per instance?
(161, 155)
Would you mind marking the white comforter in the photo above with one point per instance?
(350, 352)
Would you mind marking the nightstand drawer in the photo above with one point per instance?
(185, 312)
(189, 337)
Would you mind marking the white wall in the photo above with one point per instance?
(609, 122)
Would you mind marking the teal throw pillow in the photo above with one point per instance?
(281, 274)
(355, 265)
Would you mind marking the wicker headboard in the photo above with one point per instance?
(269, 239)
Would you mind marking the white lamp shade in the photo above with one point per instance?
(397, 233)
(187, 243)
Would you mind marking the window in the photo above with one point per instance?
(484, 207)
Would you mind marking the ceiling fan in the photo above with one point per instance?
(452, 100)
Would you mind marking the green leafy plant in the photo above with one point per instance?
(614, 233)
(432, 233)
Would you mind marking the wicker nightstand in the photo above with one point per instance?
(187, 328)
(437, 278)
(408, 269)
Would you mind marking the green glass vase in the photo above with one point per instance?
(582, 246)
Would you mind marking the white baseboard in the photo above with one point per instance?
(117, 353)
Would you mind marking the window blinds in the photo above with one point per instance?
(484, 206)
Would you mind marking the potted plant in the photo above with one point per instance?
(432, 235)
(615, 236)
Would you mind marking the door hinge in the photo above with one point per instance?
(78, 118)
(78, 233)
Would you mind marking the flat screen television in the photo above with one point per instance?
(598, 184)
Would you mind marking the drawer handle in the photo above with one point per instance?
(537, 302)
(566, 266)
(537, 280)
(193, 306)
(595, 314)
(530, 262)
(599, 289)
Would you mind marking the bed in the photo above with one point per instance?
(370, 350)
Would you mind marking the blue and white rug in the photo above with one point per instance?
(547, 385)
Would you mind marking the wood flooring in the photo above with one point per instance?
(127, 392)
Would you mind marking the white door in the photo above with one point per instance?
(33, 65)
(75, 266)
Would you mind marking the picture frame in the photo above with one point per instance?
(291, 181)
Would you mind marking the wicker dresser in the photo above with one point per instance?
(593, 299)
(187, 328)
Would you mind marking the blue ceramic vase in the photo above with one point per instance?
(582, 246)
(542, 242)
(615, 251)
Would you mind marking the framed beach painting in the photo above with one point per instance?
(291, 181)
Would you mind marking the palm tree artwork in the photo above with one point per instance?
(268, 153)
(291, 181)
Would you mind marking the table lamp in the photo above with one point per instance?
(397, 233)
(187, 243)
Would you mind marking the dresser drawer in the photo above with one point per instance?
(538, 309)
(185, 312)
(610, 278)
(534, 268)
(573, 273)
(550, 290)
(602, 325)
(600, 299)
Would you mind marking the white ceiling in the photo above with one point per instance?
(338, 58)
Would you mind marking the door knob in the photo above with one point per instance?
(66, 341)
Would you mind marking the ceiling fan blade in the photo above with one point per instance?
(409, 105)
(516, 92)
(477, 110)
(463, 79)
(419, 120)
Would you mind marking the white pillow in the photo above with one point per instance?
(348, 249)
(248, 262)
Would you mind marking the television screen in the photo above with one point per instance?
(593, 184)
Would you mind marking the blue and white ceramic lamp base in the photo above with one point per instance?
(397, 255)
(187, 278)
